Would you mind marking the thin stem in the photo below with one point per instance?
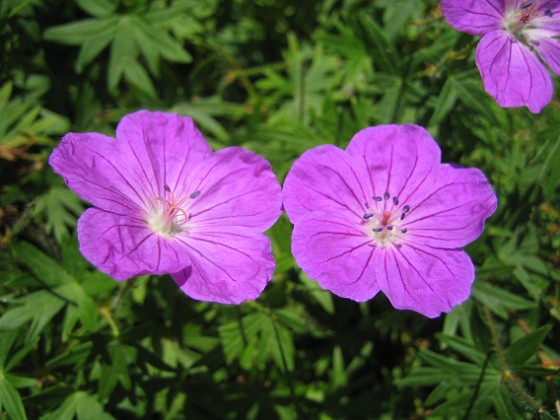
(478, 384)
(507, 375)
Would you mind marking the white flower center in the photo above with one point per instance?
(517, 19)
(167, 216)
(384, 221)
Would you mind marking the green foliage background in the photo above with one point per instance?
(276, 77)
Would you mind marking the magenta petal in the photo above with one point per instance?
(400, 159)
(426, 280)
(549, 50)
(162, 148)
(512, 75)
(124, 247)
(326, 179)
(476, 17)
(237, 188)
(336, 253)
(93, 168)
(453, 214)
(228, 265)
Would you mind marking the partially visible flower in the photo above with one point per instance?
(164, 203)
(513, 31)
(386, 215)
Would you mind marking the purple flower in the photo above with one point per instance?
(513, 31)
(164, 203)
(386, 215)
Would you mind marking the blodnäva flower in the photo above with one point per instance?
(513, 32)
(165, 203)
(386, 215)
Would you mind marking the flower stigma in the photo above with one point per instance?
(167, 216)
(384, 221)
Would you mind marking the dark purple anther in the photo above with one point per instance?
(403, 215)
(368, 215)
(379, 229)
(395, 201)
(195, 194)
(389, 227)
(404, 230)
(166, 187)
(526, 5)
(386, 196)
(366, 204)
(406, 209)
(548, 12)
(377, 198)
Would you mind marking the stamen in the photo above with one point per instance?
(389, 227)
(398, 246)
(386, 196)
(195, 194)
(379, 229)
(377, 198)
(403, 215)
(404, 230)
(526, 5)
(548, 12)
(368, 215)
(366, 204)
(166, 188)
(406, 209)
(395, 201)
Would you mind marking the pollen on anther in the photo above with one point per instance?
(379, 229)
(406, 209)
(195, 194)
(395, 201)
(368, 215)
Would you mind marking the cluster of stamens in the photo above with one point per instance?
(517, 19)
(384, 220)
(167, 215)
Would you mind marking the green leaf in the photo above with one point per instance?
(7, 339)
(11, 400)
(526, 346)
(321, 296)
(61, 207)
(87, 308)
(42, 266)
(463, 347)
(77, 33)
(92, 47)
(281, 344)
(98, 8)
(40, 307)
(445, 102)
(66, 411)
(123, 51)
(138, 77)
(499, 300)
